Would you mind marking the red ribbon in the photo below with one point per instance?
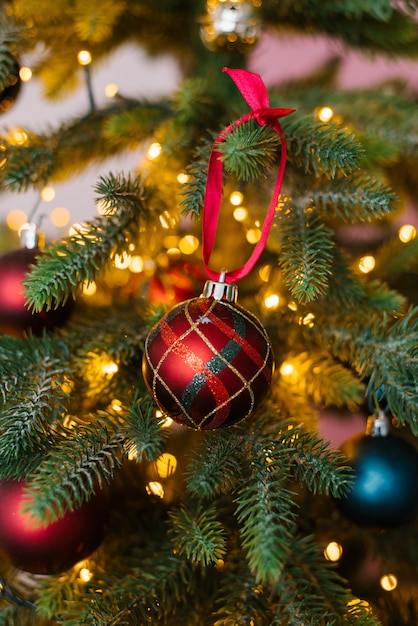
(255, 94)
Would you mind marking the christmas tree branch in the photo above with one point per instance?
(306, 253)
(76, 259)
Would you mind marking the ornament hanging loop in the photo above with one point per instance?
(378, 424)
(255, 94)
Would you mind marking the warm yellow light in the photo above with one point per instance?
(15, 219)
(133, 454)
(84, 57)
(18, 136)
(154, 151)
(188, 244)
(292, 306)
(155, 488)
(325, 114)
(47, 193)
(136, 265)
(253, 235)
(333, 551)
(171, 241)
(60, 216)
(264, 273)
(122, 261)
(116, 405)
(407, 232)
(167, 220)
(89, 289)
(85, 574)
(358, 602)
(105, 208)
(25, 74)
(111, 90)
(287, 369)
(236, 198)
(109, 368)
(240, 214)
(367, 264)
(167, 422)
(183, 178)
(174, 253)
(389, 582)
(272, 301)
(166, 465)
(307, 320)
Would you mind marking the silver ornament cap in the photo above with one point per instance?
(220, 290)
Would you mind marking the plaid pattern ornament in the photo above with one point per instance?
(208, 362)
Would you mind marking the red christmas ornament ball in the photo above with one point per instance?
(15, 317)
(208, 363)
(51, 548)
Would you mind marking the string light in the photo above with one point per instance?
(155, 488)
(236, 198)
(110, 368)
(85, 574)
(60, 216)
(264, 273)
(367, 264)
(253, 235)
(287, 368)
(307, 320)
(165, 465)
(25, 74)
(389, 582)
(407, 232)
(84, 57)
(136, 265)
(18, 136)
(154, 151)
(188, 244)
(122, 261)
(15, 219)
(89, 288)
(47, 193)
(272, 301)
(325, 114)
(333, 551)
(111, 90)
(182, 178)
(240, 214)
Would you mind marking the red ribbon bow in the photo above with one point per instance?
(255, 94)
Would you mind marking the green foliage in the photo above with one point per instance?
(306, 253)
(145, 434)
(78, 258)
(196, 533)
(215, 466)
(87, 456)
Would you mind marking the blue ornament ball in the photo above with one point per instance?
(385, 489)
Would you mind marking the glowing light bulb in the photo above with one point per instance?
(85, 574)
(333, 551)
(154, 151)
(60, 216)
(272, 301)
(110, 368)
(240, 214)
(122, 261)
(182, 178)
(188, 244)
(287, 369)
(264, 273)
(155, 488)
(89, 288)
(253, 235)
(84, 57)
(166, 465)
(15, 219)
(111, 90)
(389, 582)
(236, 198)
(407, 232)
(367, 264)
(47, 193)
(25, 74)
(136, 265)
(325, 114)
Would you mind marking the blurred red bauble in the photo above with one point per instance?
(53, 548)
(15, 317)
(175, 283)
(208, 363)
